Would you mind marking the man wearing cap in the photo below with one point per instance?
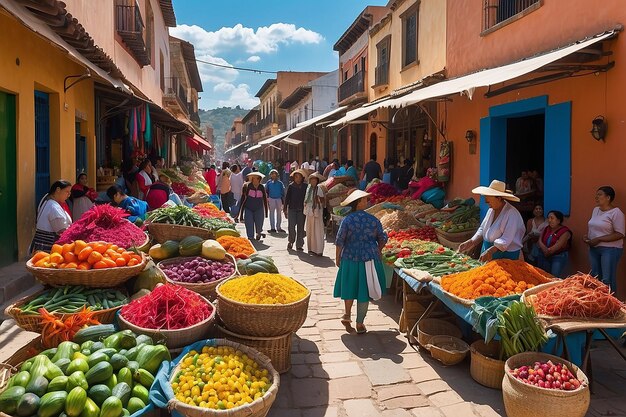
(502, 230)
(276, 194)
(294, 209)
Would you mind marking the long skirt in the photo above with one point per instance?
(315, 232)
(351, 281)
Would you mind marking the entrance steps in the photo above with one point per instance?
(15, 282)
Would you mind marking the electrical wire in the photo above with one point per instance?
(258, 71)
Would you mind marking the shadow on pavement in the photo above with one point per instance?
(314, 260)
(375, 344)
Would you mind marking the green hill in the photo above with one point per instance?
(222, 120)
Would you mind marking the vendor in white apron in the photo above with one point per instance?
(502, 230)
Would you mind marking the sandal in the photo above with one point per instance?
(360, 328)
(347, 323)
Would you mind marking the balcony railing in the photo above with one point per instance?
(174, 88)
(266, 121)
(497, 11)
(353, 85)
(129, 25)
(381, 74)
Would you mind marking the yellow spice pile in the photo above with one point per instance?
(264, 288)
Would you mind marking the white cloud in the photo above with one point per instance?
(254, 58)
(265, 39)
(238, 95)
(214, 74)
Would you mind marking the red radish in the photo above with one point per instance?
(547, 375)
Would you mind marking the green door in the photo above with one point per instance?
(8, 195)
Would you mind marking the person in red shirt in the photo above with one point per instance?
(144, 178)
(158, 193)
(211, 178)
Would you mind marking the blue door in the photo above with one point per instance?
(81, 152)
(42, 145)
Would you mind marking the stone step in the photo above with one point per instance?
(15, 283)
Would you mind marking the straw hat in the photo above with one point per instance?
(257, 173)
(496, 189)
(301, 172)
(274, 171)
(317, 175)
(354, 196)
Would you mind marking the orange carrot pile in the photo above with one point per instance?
(497, 278)
(239, 247)
(55, 330)
(210, 210)
(580, 295)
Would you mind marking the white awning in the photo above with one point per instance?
(320, 118)
(358, 113)
(235, 147)
(254, 148)
(292, 141)
(278, 137)
(37, 26)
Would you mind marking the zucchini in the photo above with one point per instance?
(94, 333)
(99, 373)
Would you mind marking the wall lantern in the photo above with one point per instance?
(598, 128)
(470, 135)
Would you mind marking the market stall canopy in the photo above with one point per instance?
(321, 117)
(198, 143)
(206, 145)
(468, 83)
(292, 141)
(239, 145)
(278, 137)
(254, 148)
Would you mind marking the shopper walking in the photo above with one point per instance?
(294, 209)
(226, 193)
(53, 217)
(276, 194)
(361, 275)
(236, 185)
(314, 211)
(254, 205)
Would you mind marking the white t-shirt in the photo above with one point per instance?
(52, 217)
(506, 232)
(604, 223)
(236, 184)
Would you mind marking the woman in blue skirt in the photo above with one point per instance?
(360, 240)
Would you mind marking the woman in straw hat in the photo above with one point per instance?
(294, 209)
(314, 212)
(359, 242)
(254, 205)
(502, 230)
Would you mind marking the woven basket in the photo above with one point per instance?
(278, 348)
(26, 352)
(96, 278)
(6, 372)
(447, 349)
(428, 328)
(178, 338)
(458, 237)
(484, 369)
(146, 245)
(264, 320)
(205, 289)
(162, 232)
(32, 322)
(522, 400)
(257, 408)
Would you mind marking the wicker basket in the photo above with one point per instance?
(458, 237)
(521, 399)
(447, 349)
(146, 245)
(484, 368)
(178, 338)
(96, 278)
(428, 328)
(6, 372)
(257, 408)
(32, 322)
(205, 289)
(264, 320)
(26, 352)
(162, 232)
(278, 348)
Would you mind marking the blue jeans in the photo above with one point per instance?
(604, 264)
(234, 209)
(553, 264)
(253, 219)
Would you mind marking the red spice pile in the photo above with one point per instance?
(104, 223)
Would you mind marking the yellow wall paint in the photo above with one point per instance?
(43, 66)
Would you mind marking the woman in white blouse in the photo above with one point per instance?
(502, 230)
(53, 216)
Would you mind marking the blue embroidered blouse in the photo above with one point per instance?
(359, 235)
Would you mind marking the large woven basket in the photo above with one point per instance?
(264, 320)
(484, 368)
(32, 321)
(428, 328)
(458, 237)
(257, 408)
(277, 348)
(162, 232)
(178, 338)
(6, 372)
(96, 278)
(447, 349)
(522, 400)
(145, 247)
(205, 289)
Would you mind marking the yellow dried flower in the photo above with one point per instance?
(264, 288)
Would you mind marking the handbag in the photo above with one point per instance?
(373, 284)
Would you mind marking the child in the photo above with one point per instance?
(135, 207)
(276, 194)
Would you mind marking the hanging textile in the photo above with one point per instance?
(129, 130)
(147, 131)
(444, 161)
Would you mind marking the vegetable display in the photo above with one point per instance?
(185, 216)
(397, 220)
(417, 233)
(71, 299)
(86, 256)
(55, 331)
(219, 378)
(497, 278)
(108, 378)
(263, 288)
(181, 189)
(381, 191)
(255, 264)
(437, 262)
(239, 247)
(210, 210)
(547, 375)
(197, 270)
(104, 223)
(519, 330)
(462, 219)
(167, 307)
(580, 295)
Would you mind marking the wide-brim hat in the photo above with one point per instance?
(317, 175)
(496, 189)
(274, 171)
(257, 173)
(301, 172)
(354, 196)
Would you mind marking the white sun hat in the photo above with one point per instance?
(496, 189)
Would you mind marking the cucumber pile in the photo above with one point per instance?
(71, 299)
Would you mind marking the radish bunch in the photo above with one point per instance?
(547, 375)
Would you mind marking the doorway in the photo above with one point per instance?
(81, 151)
(42, 145)
(373, 144)
(8, 186)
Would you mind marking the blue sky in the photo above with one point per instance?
(274, 35)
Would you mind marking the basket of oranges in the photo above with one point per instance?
(93, 264)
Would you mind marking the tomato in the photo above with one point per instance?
(94, 257)
(84, 253)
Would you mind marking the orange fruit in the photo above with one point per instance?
(110, 263)
(71, 265)
(42, 262)
(132, 262)
(68, 247)
(100, 265)
(94, 257)
(84, 266)
(70, 257)
(57, 249)
(38, 256)
(100, 247)
(56, 258)
(120, 261)
(79, 245)
(84, 253)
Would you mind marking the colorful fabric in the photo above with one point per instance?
(351, 282)
(360, 235)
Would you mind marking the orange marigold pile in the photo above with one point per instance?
(497, 278)
(239, 247)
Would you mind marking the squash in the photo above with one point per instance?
(27, 405)
(75, 402)
(149, 277)
(52, 404)
(190, 246)
(165, 250)
(227, 232)
(10, 398)
(211, 249)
